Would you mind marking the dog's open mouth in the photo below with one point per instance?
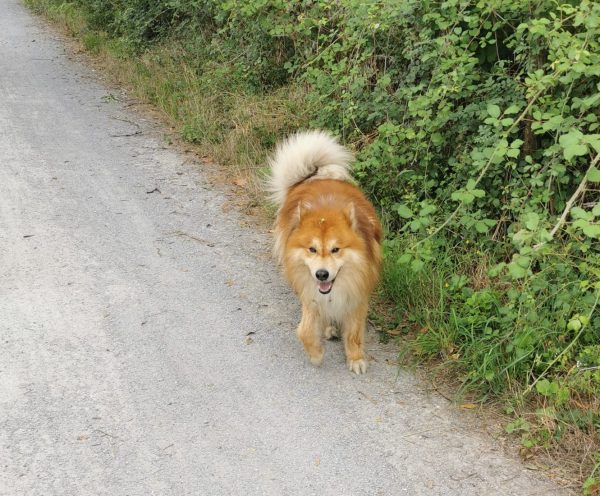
(325, 287)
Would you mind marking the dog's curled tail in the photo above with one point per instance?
(308, 154)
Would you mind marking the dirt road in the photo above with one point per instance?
(147, 341)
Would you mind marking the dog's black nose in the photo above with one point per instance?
(322, 275)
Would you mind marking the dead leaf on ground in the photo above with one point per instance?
(394, 332)
(241, 182)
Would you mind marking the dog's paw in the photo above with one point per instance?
(316, 357)
(331, 332)
(357, 366)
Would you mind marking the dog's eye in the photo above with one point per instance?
(312, 249)
(335, 250)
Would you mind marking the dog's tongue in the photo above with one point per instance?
(325, 286)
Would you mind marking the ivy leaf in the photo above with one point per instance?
(437, 139)
(572, 137)
(589, 229)
(404, 259)
(592, 230)
(543, 387)
(593, 175)
(417, 265)
(427, 209)
(594, 140)
(496, 269)
(516, 271)
(493, 110)
(580, 213)
(484, 225)
(415, 225)
(574, 324)
(545, 236)
(532, 220)
(481, 227)
(572, 145)
(465, 197)
(571, 151)
(403, 211)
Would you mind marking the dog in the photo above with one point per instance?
(327, 240)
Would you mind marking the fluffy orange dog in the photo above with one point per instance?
(327, 238)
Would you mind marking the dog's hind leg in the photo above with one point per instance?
(354, 334)
(309, 332)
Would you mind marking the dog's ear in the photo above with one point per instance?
(350, 213)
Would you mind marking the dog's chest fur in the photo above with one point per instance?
(335, 305)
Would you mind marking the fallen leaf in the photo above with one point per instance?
(240, 182)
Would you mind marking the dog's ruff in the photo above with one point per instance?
(327, 239)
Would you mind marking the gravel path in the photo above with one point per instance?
(147, 341)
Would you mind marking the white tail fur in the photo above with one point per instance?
(309, 154)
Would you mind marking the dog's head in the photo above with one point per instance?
(326, 241)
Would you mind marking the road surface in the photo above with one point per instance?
(147, 341)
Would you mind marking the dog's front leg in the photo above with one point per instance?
(354, 334)
(309, 332)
